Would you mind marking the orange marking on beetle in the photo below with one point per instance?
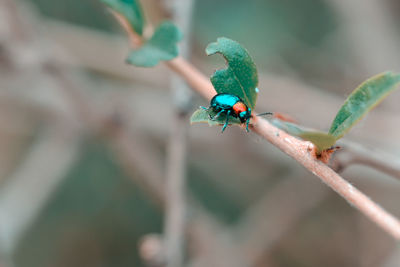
(239, 107)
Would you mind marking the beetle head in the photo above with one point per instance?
(245, 115)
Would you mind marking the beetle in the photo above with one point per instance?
(230, 105)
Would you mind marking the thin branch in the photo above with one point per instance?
(134, 39)
(175, 192)
(177, 150)
(17, 26)
(192, 76)
(301, 151)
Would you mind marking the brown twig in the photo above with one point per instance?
(192, 76)
(134, 39)
(301, 151)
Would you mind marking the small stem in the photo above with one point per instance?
(192, 76)
(134, 39)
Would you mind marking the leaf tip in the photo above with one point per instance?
(211, 49)
(362, 100)
(135, 58)
(214, 47)
(175, 33)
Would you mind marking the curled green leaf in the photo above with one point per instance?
(131, 10)
(202, 115)
(321, 140)
(364, 98)
(240, 78)
(161, 46)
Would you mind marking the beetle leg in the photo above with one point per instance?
(216, 116)
(226, 122)
(207, 109)
(247, 124)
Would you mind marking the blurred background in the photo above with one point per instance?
(87, 142)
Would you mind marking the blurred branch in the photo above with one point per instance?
(138, 156)
(151, 250)
(217, 247)
(26, 190)
(177, 148)
(275, 214)
(22, 197)
(16, 133)
(15, 24)
(121, 141)
(301, 151)
(351, 153)
(175, 188)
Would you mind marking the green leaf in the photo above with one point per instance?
(202, 115)
(321, 140)
(240, 78)
(131, 10)
(161, 46)
(363, 99)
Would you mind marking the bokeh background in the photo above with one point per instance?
(84, 137)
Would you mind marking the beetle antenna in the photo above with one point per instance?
(265, 113)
